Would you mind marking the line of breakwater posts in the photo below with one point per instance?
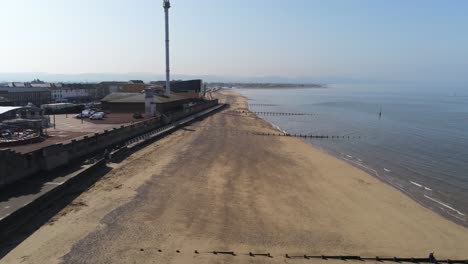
(262, 105)
(275, 113)
(223, 130)
(306, 136)
(431, 259)
(246, 104)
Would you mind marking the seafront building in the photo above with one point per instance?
(14, 112)
(135, 102)
(20, 93)
(38, 92)
(24, 117)
(74, 92)
(182, 93)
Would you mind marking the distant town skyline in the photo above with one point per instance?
(297, 41)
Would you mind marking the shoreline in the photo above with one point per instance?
(373, 173)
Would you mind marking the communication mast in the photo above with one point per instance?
(167, 5)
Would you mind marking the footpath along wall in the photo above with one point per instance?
(16, 166)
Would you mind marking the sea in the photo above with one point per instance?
(419, 143)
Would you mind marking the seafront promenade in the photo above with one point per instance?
(217, 186)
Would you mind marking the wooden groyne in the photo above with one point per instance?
(305, 135)
(274, 113)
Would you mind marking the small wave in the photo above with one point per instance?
(349, 156)
(386, 170)
(417, 184)
(359, 159)
(276, 126)
(421, 186)
(444, 205)
(376, 173)
(279, 128)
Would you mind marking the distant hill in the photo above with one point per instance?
(99, 77)
(147, 77)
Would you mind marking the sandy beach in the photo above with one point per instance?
(215, 186)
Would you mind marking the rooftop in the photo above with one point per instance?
(4, 109)
(136, 82)
(140, 98)
(23, 89)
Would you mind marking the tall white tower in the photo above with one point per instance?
(167, 5)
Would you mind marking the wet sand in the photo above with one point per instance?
(214, 186)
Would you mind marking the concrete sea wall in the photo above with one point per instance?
(16, 166)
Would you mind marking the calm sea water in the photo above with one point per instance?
(419, 145)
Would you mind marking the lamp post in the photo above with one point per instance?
(55, 109)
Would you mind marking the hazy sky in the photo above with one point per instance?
(373, 39)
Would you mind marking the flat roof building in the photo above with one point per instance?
(132, 99)
(24, 112)
(135, 102)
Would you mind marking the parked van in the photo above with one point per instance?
(97, 116)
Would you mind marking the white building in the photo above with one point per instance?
(72, 92)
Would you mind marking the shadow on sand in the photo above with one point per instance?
(43, 209)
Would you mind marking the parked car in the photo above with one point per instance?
(85, 113)
(97, 116)
(79, 116)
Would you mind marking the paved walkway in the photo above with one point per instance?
(21, 194)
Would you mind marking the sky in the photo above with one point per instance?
(388, 40)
